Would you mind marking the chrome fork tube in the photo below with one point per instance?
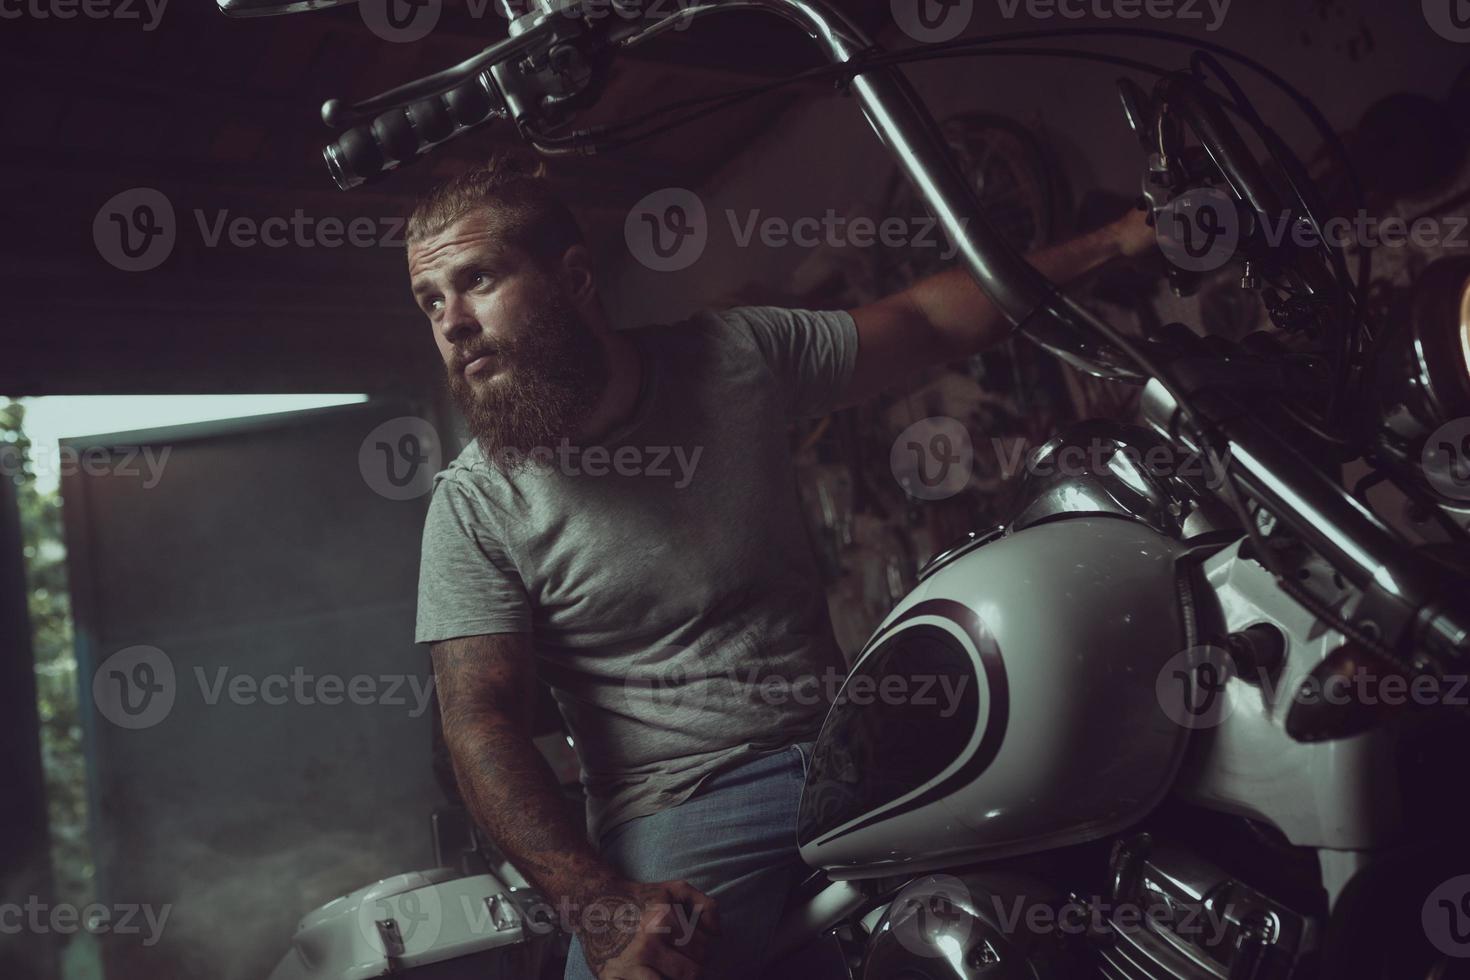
(905, 126)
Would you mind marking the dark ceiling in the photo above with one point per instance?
(221, 116)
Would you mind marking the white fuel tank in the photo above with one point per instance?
(1007, 705)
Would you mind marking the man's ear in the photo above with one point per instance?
(578, 275)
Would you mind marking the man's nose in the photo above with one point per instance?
(458, 322)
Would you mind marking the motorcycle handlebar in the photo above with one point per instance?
(405, 133)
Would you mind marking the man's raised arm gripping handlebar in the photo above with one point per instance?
(626, 928)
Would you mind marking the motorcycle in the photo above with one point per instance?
(1155, 768)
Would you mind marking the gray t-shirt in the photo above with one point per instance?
(665, 574)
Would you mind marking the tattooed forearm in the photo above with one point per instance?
(513, 794)
(485, 687)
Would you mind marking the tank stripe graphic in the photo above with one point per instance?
(996, 720)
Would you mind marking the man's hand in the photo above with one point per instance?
(946, 317)
(1133, 233)
(659, 931)
(629, 930)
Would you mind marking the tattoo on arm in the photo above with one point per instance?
(485, 692)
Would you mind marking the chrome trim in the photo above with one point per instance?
(1124, 470)
(973, 540)
(821, 912)
(1406, 594)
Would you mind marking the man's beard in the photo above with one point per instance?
(555, 372)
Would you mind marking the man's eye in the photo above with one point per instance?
(434, 305)
(482, 279)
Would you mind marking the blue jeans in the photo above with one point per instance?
(734, 840)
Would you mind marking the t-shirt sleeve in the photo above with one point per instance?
(810, 353)
(467, 585)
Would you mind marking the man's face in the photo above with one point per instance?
(521, 361)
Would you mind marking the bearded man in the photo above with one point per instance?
(625, 526)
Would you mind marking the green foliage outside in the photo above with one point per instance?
(56, 667)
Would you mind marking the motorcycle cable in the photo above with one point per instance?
(1351, 311)
(1349, 301)
(842, 72)
(1309, 108)
(1234, 499)
(713, 103)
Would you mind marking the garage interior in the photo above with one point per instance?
(272, 544)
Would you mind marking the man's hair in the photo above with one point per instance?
(515, 190)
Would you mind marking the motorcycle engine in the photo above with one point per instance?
(1168, 914)
(941, 927)
(1173, 914)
